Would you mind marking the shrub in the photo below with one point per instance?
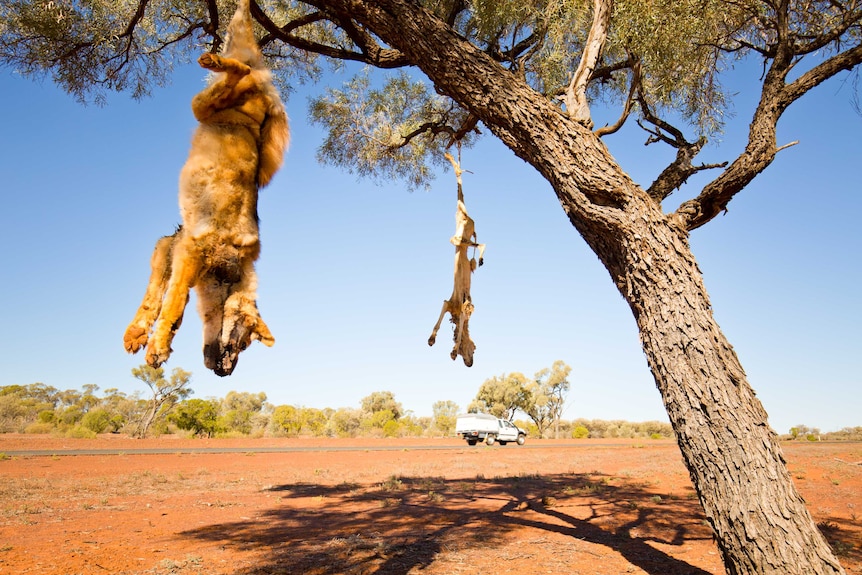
(580, 432)
(39, 427)
(96, 420)
(81, 432)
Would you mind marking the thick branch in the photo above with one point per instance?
(762, 147)
(840, 62)
(211, 27)
(576, 95)
(371, 53)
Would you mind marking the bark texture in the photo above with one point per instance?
(761, 523)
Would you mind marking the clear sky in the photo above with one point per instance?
(352, 275)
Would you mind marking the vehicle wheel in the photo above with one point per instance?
(521, 440)
(502, 443)
(472, 441)
(490, 440)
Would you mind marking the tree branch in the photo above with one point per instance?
(371, 53)
(627, 107)
(844, 61)
(776, 96)
(576, 95)
(761, 148)
(678, 172)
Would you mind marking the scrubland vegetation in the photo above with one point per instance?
(167, 409)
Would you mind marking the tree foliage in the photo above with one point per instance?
(444, 416)
(200, 416)
(545, 396)
(501, 396)
(382, 401)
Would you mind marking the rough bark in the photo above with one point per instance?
(736, 465)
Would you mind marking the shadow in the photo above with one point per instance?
(843, 537)
(408, 523)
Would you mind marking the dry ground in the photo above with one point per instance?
(574, 507)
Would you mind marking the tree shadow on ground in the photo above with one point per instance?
(406, 523)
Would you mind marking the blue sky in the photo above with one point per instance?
(352, 275)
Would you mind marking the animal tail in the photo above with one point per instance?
(241, 44)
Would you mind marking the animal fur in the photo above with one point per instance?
(236, 149)
(460, 305)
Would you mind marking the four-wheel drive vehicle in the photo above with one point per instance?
(476, 427)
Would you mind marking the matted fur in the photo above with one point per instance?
(236, 149)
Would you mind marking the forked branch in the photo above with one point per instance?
(678, 172)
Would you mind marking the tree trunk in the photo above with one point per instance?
(734, 459)
(760, 521)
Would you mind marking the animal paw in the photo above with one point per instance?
(156, 356)
(135, 338)
(211, 62)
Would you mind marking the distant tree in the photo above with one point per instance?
(444, 415)
(123, 408)
(12, 412)
(545, 396)
(239, 411)
(88, 399)
(344, 422)
(501, 396)
(286, 420)
(804, 432)
(314, 420)
(382, 401)
(165, 393)
(200, 416)
(97, 420)
(21, 405)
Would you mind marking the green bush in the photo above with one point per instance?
(580, 432)
(39, 428)
(96, 420)
(81, 432)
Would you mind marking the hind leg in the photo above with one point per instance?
(186, 263)
(138, 332)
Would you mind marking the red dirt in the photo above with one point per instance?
(575, 507)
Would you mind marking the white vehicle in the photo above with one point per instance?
(476, 427)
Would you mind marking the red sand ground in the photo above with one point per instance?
(574, 507)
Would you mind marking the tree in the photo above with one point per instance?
(200, 416)
(344, 422)
(240, 411)
(314, 420)
(380, 401)
(501, 396)
(166, 393)
(529, 73)
(444, 415)
(286, 420)
(545, 397)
